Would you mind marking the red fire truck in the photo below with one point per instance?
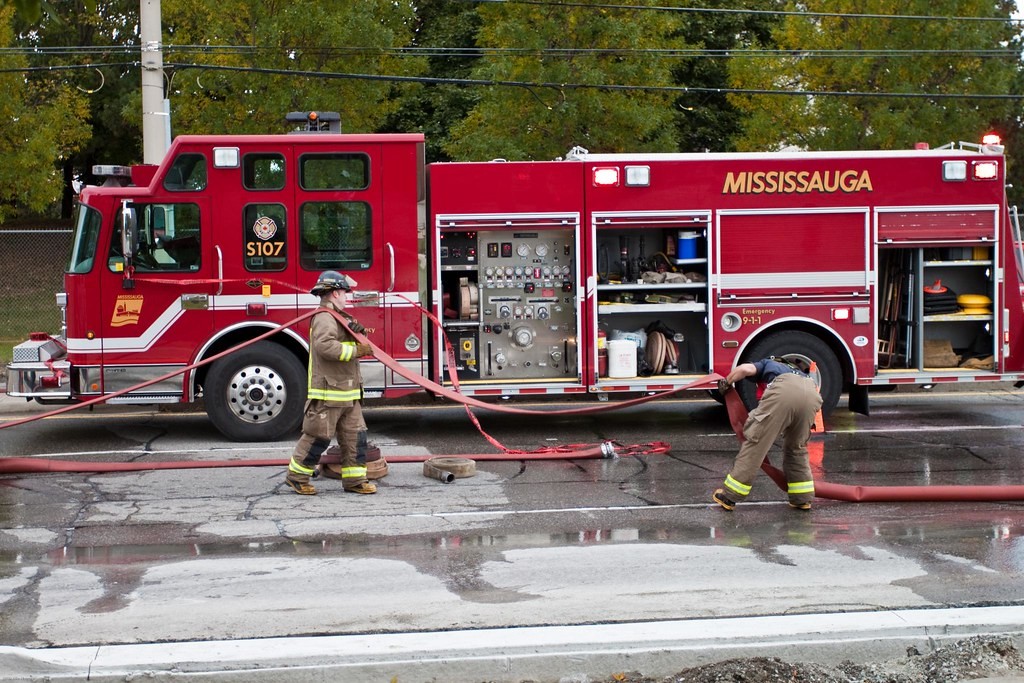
(591, 275)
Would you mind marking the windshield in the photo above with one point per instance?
(87, 236)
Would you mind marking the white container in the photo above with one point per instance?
(621, 358)
(638, 337)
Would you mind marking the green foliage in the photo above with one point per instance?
(433, 109)
(289, 36)
(864, 122)
(534, 122)
(107, 96)
(707, 120)
(41, 126)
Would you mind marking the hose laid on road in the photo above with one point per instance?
(876, 494)
(446, 469)
(39, 465)
(570, 452)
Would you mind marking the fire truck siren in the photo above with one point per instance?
(315, 121)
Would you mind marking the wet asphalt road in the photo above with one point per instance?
(209, 554)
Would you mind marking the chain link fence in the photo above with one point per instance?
(32, 264)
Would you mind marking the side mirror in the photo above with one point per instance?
(129, 241)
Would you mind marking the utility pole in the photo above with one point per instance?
(156, 115)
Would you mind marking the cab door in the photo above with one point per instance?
(155, 287)
(339, 214)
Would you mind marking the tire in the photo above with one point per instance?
(796, 345)
(257, 393)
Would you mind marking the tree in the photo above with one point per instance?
(225, 58)
(41, 127)
(446, 31)
(706, 119)
(77, 32)
(583, 47)
(943, 59)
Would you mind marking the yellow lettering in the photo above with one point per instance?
(757, 186)
(815, 183)
(801, 181)
(788, 182)
(864, 183)
(734, 183)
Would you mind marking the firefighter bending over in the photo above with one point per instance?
(335, 390)
(787, 407)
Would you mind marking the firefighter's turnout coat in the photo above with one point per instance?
(333, 395)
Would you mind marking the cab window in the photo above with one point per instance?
(167, 238)
(334, 171)
(87, 237)
(336, 235)
(264, 171)
(265, 237)
(186, 174)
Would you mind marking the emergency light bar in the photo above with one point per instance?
(636, 176)
(985, 170)
(606, 177)
(956, 171)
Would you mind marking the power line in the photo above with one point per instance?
(761, 12)
(476, 52)
(588, 86)
(528, 85)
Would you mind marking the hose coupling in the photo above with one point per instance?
(608, 450)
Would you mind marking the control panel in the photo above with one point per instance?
(510, 303)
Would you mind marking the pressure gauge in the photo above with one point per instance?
(542, 250)
(523, 249)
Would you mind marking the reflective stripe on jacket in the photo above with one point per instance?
(333, 360)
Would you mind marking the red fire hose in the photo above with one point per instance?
(573, 452)
(876, 494)
(737, 417)
(37, 465)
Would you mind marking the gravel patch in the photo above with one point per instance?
(963, 660)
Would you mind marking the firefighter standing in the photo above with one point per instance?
(335, 389)
(787, 407)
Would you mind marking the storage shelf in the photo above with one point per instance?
(956, 317)
(606, 309)
(660, 285)
(944, 264)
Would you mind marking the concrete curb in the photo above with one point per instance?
(515, 654)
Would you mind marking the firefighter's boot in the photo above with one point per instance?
(363, 487)
(303, 488)
(719, 497)
(303, 465)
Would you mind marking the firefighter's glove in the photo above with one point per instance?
(723, 387)
(363, 350)
(356, 327)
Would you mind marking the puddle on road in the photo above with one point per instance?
(998, 542)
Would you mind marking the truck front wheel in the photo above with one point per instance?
(795, 346)
(257, 393)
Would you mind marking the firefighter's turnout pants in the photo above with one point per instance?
(323, 420)
(787, 407)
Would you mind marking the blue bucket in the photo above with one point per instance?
(686, 247)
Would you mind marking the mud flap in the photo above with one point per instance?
(859, 400)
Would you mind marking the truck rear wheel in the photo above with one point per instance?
(794, 345)
(257, 393)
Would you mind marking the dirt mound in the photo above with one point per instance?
(960, 661)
